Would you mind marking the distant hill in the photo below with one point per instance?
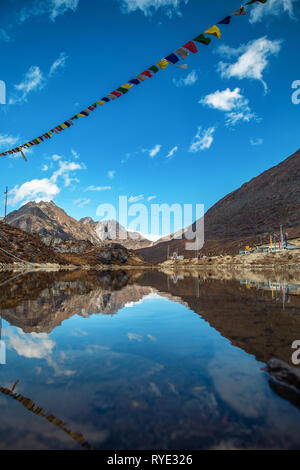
(111, 231)
(25, 246)
(47, 219)
(246, 216)
(17, 245)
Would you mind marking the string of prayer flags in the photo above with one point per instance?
(173, 58)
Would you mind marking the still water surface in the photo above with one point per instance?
(144, 361)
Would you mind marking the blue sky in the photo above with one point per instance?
(184, 136)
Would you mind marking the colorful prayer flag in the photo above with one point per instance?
(226, 20)
(163, 63)
(240, 11)
(172, 58)
(116, 93)
(127, 85)
(214, 31)
(191, 46)
(142, 77)
(122, 90)
(147, 73)
(183, 53)
(201, 38)
(112, 96)
(154, 69)
(134, 81)
(254, 1)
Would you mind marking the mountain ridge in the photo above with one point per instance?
(247, 215)
(48, 219)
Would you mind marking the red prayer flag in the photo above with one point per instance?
(147, 73)
(191, 46)
(116, 93)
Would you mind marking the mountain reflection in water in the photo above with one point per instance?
(145, 360)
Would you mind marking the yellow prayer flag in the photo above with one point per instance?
(64, 126)
(214, 31)
(163, 63)
(127, 86)
(101, 103)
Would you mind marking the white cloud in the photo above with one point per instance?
(45, 168)
(7, 141)
(136, 198)
(56, 157)
(225, 100)
(34, 345)
(34, 190)
(52, 8)
(58, 63)
(153, 152)
(4, 35)
(47, 188)
(150, 6)
(189, 80)
(81, 202)
(59, 7)
(232, 102)
(150, 198)
(98, 188)
(272, 7)
(64, 170)
(75, 154)
(111, 174)
(134, 336)
(251, 59)
(244, 115)
(172, 152)
(256, 142)
(33, 80)
(203, 139)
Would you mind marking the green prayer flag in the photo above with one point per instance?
(154, 69)
(204, 40)
(254, 1)
(122, 90)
